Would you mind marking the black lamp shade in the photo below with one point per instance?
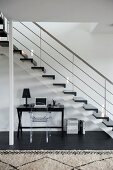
(26, 93)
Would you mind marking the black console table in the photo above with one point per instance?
(21, 109)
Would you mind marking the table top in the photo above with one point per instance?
(49, 107)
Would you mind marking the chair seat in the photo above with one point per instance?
(40, 119)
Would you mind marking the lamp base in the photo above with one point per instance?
(26, 105)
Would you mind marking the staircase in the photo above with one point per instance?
(86, 110)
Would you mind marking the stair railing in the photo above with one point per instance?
(106, 79)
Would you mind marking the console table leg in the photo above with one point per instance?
(19, 124)
(62, 122)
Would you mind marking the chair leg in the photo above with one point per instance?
(31, 132)
(47, 138)
(31, 136)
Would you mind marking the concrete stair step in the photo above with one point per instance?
(60, 84)
(108, 123)
(80, 100)
(4, 43)
(29, 59)
(90, 107)
(38, 68)
(70, 92)
(99, 116)
(49, 76)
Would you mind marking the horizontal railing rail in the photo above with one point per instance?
(67, 58)
(63, 66)
(68, 49)
(64, 77)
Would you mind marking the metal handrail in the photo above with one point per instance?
(68, 49)
(63, 66)
(67, 58)
(64, 77)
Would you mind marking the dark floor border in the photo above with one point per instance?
(75, 152)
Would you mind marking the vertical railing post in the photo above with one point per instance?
(105, 99)
(40, 47)
(11, 80)
(73, 72)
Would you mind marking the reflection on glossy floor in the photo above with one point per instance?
(89, 141)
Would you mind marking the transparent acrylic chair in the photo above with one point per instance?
(44, 119)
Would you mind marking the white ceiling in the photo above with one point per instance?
(58, 10)
(88, 11)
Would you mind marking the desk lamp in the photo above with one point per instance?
(26, 95)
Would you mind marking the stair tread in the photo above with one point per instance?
(90, 107)
(3, 34)
(99, 116)
(17, 50)
(59, 84)
(70, 92)
(4, 43)
(29, 59)
(38, 68)
(79, 99)
(26, 58)
(49, 76)
(1, 20)
(108, 123)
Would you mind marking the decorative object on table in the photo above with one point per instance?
(81, 127)
(54, 102)
(41, 101)
(72, 126)
(26, 95)
(49, 105)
